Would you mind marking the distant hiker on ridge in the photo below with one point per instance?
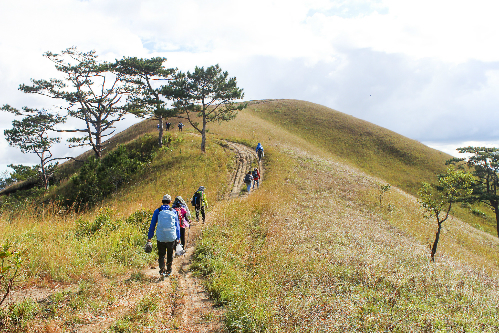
(168, 126)
(199, 202)
(180, 126)
(259, 151)
(165, 222)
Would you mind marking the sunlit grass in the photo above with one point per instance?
(313, 250)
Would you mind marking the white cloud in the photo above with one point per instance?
(426, 69)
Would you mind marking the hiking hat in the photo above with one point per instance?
(201, 188)
(167, 197)
(179, 199)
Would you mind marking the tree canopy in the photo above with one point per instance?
(485, 164)
(32, 134)
(92, 91)
(146, 97)
(208, 94)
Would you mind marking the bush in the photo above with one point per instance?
(97, 179)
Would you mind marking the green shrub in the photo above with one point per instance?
(97, 179)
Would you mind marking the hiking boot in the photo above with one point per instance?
(168, 272)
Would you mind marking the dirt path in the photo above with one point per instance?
(199, 314)
(244, 156)
(194, 309)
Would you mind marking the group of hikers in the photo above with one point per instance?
(171, 220)
(170, 223)
(254, 176)
(168, 125)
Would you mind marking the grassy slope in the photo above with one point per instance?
(398, 160)
(99, 254)
(312, 250)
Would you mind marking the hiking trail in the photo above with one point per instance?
(191, 308)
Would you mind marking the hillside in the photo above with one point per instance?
(312, 250)
(400, 161)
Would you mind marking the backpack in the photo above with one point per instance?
(255, 174)
(180, 216)
(166, 229)
(247, 178)
(196, 199)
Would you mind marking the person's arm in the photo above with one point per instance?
(177, 226)
(205, 202)
(152, 227)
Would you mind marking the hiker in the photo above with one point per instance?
(180, 126)
(256, 177)
(259, 151)
(168, 126)
(183, 215)
(199, 202)
(166, 223)
(247, 180)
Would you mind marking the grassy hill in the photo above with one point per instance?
(402, 162)
(313, 250)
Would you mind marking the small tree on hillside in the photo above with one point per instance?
(93, 92)
(147, 96)
(485, 164)
(208, 94)
(32, 135)
(437, 200)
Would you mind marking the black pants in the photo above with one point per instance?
(200, 208)
(182, 237)
(165, 248)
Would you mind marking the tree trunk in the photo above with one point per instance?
(435, 243)
(160, 140)
(496, 210)
(203, 135)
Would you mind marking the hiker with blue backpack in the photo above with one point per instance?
(166, 224)
(259, 151)
(200, 203)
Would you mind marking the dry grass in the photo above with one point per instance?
(308, 247)
(311, 251)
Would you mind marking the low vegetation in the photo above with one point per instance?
(320, 247)
(313, 251)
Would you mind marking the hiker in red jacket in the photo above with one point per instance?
(256, 178)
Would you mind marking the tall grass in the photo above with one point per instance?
(104, 245)
(309, 252)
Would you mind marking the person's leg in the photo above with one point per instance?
(248, 187)
(169, 256)
(182, 237)
(161, 254)
(197, 212)
(203, 213)
(258, 183)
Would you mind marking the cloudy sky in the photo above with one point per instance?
(428, 70)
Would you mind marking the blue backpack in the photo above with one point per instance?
(166, 229)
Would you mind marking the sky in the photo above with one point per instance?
(428, 70)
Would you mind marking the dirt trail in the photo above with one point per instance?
(245, 156)
(194, 310)
(199, 313)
